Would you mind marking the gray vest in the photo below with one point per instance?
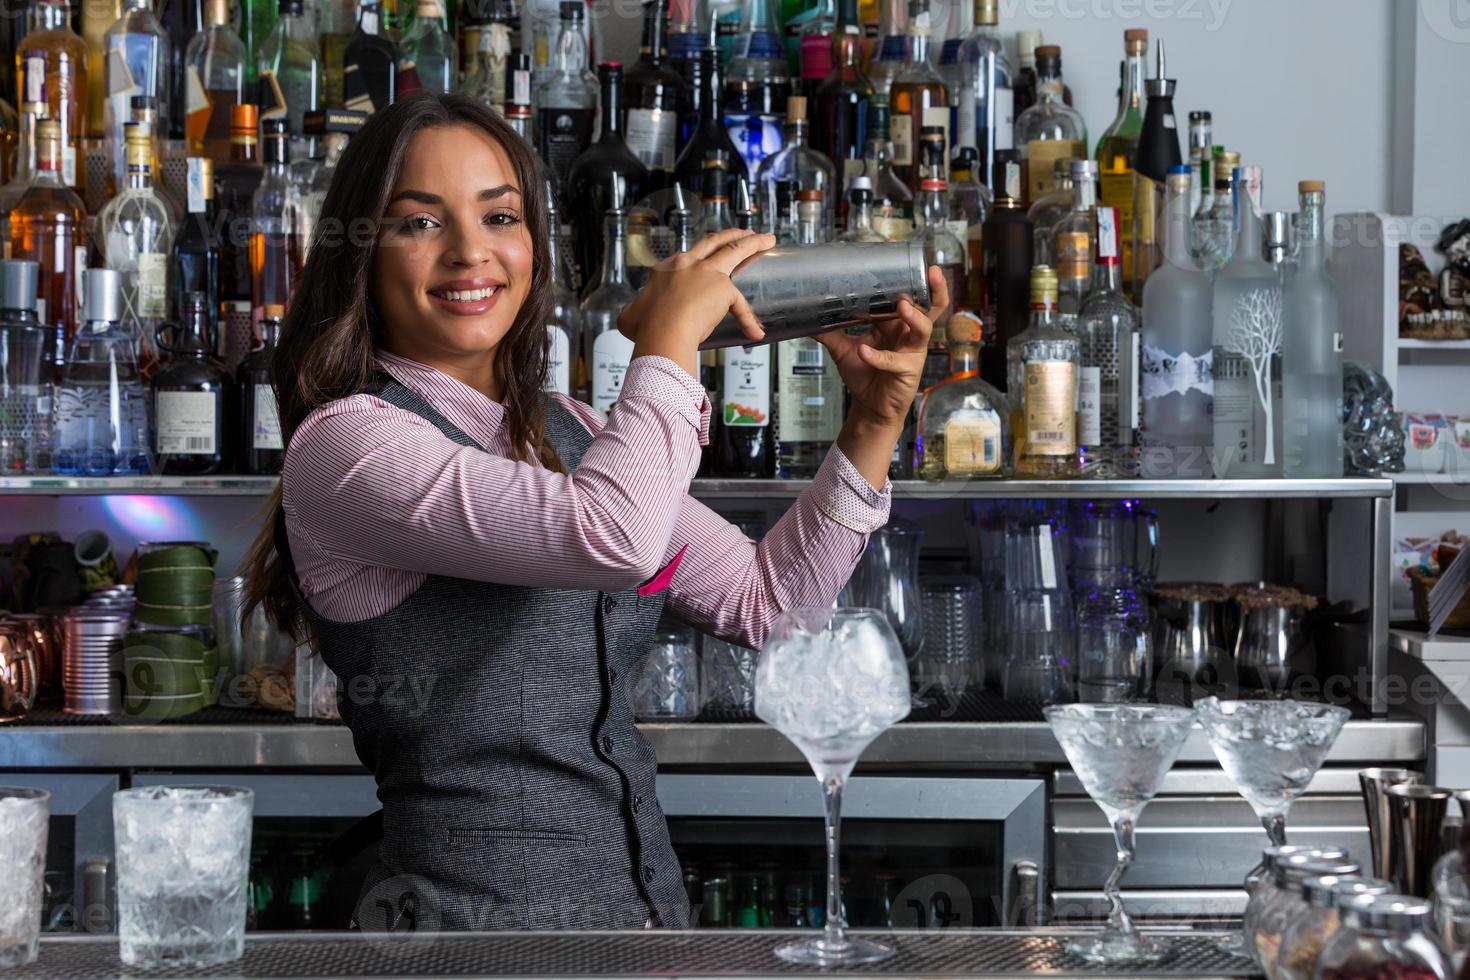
(516, 791)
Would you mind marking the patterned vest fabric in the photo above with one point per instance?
(517, 792)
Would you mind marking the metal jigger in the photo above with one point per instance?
(1416, 814)
(1374, 782)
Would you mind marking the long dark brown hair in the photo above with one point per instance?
(332, 330)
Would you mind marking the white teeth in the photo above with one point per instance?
(468, 295)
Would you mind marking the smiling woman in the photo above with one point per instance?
(513, 550)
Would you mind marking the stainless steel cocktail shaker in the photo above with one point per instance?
(797, 291)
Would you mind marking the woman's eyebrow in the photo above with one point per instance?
(424, 197)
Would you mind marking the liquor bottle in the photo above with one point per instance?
(1073, 243)
(1119, 142)
(964, 422)
(136, 233)
(335, 22)
(259, 444)
(96, 18)
(197, 246)
(215, 64)
(567, 105)
(144, 109)
(485, 79)
(715, 213)
(752, 913)
(1107, 385)
(1048, 210)
(190, 392)
(709, 134)
(51, 68)
(808, 406)
(604, 165)
(49, 226)
(1156, 154)
(969, 202)
(1311, 358)
(273, 270)
(784, 224)
(1214, 229)
(180, 22)
(811, 34)
(518, 110)
(606, 350)
(1246, 310)
(798, 162)
(373, 58)
(564, 322)
(1277, 246)
(428, 58)
(1175, 356)
(893, 202)
(985, 110)
(840, 102)
(941, 247)
(1026, 44)
(893, 45)
(917, 97)
(290, 72)
(744, 441)
(26, 443)
(651, 92)
(747, 217)
(1201, 140)
(137, 51)
(1043, 363)
(1049, 129)
(257, 20)
(690, 32)
(960, 25)
(234, 193)
(101, 421)
(758, 85)
(309, 194)
(1005, 278)
(24, 167)
(860, 212)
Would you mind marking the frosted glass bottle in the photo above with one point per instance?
(1175, 370)
(1246, 310)
(1311, 345)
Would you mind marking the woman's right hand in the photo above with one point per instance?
(689, 294)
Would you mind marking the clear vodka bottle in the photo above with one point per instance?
(1311, 359)
(1107, 326)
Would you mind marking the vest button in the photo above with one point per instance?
(609, 603)
(648, 872)
(607, 743)
(637, 803)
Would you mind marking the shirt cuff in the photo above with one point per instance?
(662, 380)
(840, 492)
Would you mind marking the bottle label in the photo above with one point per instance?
(1115, 190)
(564, 134)
(1089, 406)
(558, 360)
(972, 444)
(152, 285)
(1166, 373)
(894, 223)
(809, 397)
(196, 99)
(1005, 119)
(959, 228)
(1073, 259)
(650, 137)
(755, 136)
(194, 185)
(894, 47)
(746, 389)
(1012, 180)
(938, 116)
(1051, 414)
(901, 132)
(266, 432)
(1107, 236)
(611, 353)
(186, 422)
(1041, 158)
(758, 44)
(816, 56)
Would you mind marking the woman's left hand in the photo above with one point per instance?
(882, 367)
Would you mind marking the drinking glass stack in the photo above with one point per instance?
(1114, 643)
(987, 521)
(1040, 662)
(949, 665)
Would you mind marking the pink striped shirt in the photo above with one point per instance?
(376, 499)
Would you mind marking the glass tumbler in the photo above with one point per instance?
(1040, 660)
(668, 688)
(183, 860)
(952, 640)
(1114, 647)
(25, 817)
(727, 675)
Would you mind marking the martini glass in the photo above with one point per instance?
(1120, 752)
(1270, 750)
(832, 680)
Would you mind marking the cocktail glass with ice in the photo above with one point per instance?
(183, 857)
(25, 816)
(1120, 752)
(832, 680)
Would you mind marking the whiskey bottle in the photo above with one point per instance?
(1043, 365)
(1006, 243)
(235, 182)
(261, 447)
(1049, 129)
(274, 267)
(190, 393)
(917, 98)
(964, 423)
(214, 64)
(51, 65)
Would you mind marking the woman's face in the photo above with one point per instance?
(453, 262)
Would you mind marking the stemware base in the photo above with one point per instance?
(1117, 947)
(822, 952)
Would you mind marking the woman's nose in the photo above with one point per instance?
(467, 247)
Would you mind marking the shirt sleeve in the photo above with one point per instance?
(370, 483)
(733, 587)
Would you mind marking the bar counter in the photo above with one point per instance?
(694, 953)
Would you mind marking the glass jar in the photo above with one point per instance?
(728, 675)
(668, 688)
(1303, 940)
(1289, 902)
(1384, 937)
(1263, 888)
(1451, 900)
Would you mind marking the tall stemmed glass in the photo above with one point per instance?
(1271, 750)
(832, 680)
(1120, 752)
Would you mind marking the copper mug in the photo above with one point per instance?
(47, 648)
(18, 678)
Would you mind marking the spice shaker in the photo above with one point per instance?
(1383, 937)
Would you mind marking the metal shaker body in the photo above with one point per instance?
(798, 291)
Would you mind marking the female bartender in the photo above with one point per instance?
(482, 565)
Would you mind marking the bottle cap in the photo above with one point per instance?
(1043, 286)
(796, 108)
(572, 10)
(137, 132)
(1026, 44)
(1391, 913)
(610, 69)
(1346, 891)
(1181, 168)
(987, 13)
(144, 102)
(1312, 187)
(102, 295)
(1049, 51)
(19, 279)
(1083, 170)
(244, 116)
(1135, 37)
(1199, 116)
(275, 311)
(862, 183)
(809, 194)
(964, 328)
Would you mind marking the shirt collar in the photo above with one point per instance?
(477, 416)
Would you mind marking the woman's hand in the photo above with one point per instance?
(689, 294)
(882, 370)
